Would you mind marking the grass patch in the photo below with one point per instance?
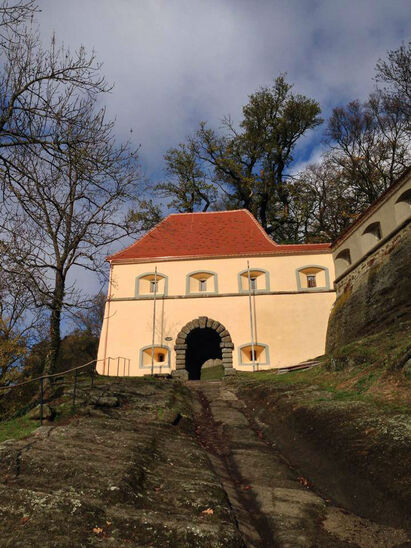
(212, 373)
(17, 428)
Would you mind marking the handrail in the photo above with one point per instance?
(74, 370)
(61, 373)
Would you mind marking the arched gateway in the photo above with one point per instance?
(199, 340)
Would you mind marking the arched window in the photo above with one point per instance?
(258, 351)
(259, 280)
(342, 261)
(403, 206)
(313, 278)
(150, 284)
(370, 236)
(201, 281)
(161, 357)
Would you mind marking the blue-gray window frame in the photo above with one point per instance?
(150, 346)
(267, 354)
(150, 295)
(325, 287)
(213, 274)
(245, 290)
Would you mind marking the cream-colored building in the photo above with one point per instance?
(203, 286)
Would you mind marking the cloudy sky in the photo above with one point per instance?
(177, 62)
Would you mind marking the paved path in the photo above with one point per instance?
(272, 504)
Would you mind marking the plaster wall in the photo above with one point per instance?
(390, 213)
(290, 320)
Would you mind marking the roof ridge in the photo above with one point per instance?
(205, 212)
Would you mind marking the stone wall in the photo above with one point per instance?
(374, 295)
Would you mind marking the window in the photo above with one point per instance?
(311, 280)
(255, 280)
(342, 261)
(201, 281)
(150, 284)
(157, 357)
(256, 354)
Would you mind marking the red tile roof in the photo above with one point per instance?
(214, 234)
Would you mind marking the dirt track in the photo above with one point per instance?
(274, 506)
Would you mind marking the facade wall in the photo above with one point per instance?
(386, 217)
(290, 318)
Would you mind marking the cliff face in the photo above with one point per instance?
(375, 295)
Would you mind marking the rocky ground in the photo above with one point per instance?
(158, 463)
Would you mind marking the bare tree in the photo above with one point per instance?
(72, 201)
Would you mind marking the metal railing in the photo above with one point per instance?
(92, 371)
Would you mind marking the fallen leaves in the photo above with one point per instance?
(97, 530)
(208, 512)
(24, 520)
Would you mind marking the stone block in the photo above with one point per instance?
(203, 322)
(181, 374)
(215, 324)
(226, 339)
(180, 347)
(181, 340)
(224, 333)
(220, 328)
(229, 371)
(226, 345)
(209, 322)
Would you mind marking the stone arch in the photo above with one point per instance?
(226, 345)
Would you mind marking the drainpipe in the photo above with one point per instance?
(251, 314)
(107, 318)
(154, 320)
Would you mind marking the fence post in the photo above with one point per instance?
(124, 367)
(118, 366)
(75, 388)
(108, 367)
(129, 367)
(41, 401)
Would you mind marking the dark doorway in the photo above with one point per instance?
(202, 344)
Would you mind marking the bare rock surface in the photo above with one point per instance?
(158, 463)
(115, 476)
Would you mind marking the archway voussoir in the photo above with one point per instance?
(214, 325)
(220, 328)
(209, 322)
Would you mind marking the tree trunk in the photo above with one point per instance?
(55, 321)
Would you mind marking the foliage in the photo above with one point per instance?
(247, 165)
(250, 165)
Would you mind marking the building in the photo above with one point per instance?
(372, 263)
(214, 286)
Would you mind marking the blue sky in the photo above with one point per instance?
(176, 62)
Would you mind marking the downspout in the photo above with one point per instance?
(108, 316)
(251, 314)
(154, 320)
